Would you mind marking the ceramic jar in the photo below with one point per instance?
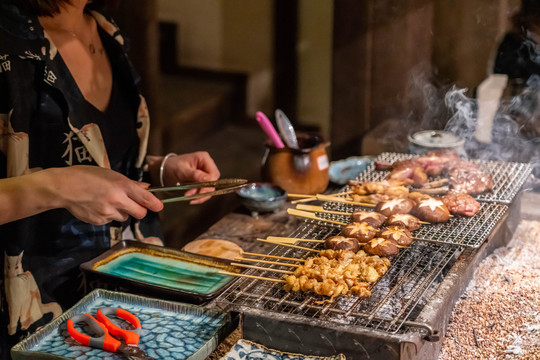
(298, 171)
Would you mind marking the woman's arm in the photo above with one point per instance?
(90, 193)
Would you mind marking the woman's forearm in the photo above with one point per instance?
(26, 195)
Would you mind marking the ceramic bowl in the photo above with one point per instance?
(262, 197)
(342, 170)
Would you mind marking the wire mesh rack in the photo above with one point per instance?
(400, 295)
(459, 230)
(394, 300)
(508, 177)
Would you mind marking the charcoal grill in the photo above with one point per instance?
(408, 310)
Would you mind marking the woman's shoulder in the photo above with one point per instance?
(109, 26)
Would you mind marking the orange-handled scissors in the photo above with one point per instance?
(122, 341)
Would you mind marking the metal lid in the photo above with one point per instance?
(436, 139)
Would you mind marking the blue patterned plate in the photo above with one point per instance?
(170, 330)
(248, 350)
(342, 170)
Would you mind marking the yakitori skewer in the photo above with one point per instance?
(320, 209)
(273, 256)
(307, 198)
(261, 268)
(289, 245)
(310, 215)
(289, 240)
(251, 276)
(265, 261)
(342, 200)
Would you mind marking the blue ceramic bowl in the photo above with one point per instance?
(262, 197)
(349, 168)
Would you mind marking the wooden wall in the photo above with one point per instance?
(380, 46)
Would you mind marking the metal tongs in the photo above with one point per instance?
(222, 186)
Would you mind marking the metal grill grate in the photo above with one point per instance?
(508, 177)
(459, 230)
(394, 301)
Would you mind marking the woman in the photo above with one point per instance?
(73, 136)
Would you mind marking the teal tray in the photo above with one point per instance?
(171, 330)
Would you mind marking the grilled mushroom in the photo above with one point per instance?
(361, 231)
(399, 235)
(406, 221)
(395, 206)
(431, 210)
(373, 218)
(342, 243)
(381, 247)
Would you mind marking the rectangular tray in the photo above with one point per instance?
(170, 330)
(174, 261)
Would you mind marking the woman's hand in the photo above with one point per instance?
(99, 196)
(191, 167)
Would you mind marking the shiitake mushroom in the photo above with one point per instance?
(399, 235)
(361, 231)
(381, 247)
(394, 206)
(342, 243)
(431, 210)
(406, 221)
(373, 218)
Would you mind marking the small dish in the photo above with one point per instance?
(248, 350)
(262, 197)
(342, 170)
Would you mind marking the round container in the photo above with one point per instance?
(262, 197)
(427, 140)
(298, 171)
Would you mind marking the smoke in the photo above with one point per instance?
(515, 131)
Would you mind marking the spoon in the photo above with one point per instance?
(286, 129)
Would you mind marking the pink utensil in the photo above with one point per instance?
(269, 129)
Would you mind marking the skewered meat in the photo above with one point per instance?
(390, 187)
(394, 206)
(432, 210)
(399, 235)
(342, 243)
(336, 273)
(362, 231)
(408, 169)
(461, 204)
(467, 178)
(373, 218)
(434, 162)
(406, 221)
(381, 247)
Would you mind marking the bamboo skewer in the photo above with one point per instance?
(300, 195)
(262, 268)
(273, 256)
(303, 200)
(289, 245)
(291, 240)
(265, 261)
(307, 198)
(343, 200)
(311, 215)
(315, 208)
(252, 276)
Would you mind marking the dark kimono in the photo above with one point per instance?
(46, 122)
